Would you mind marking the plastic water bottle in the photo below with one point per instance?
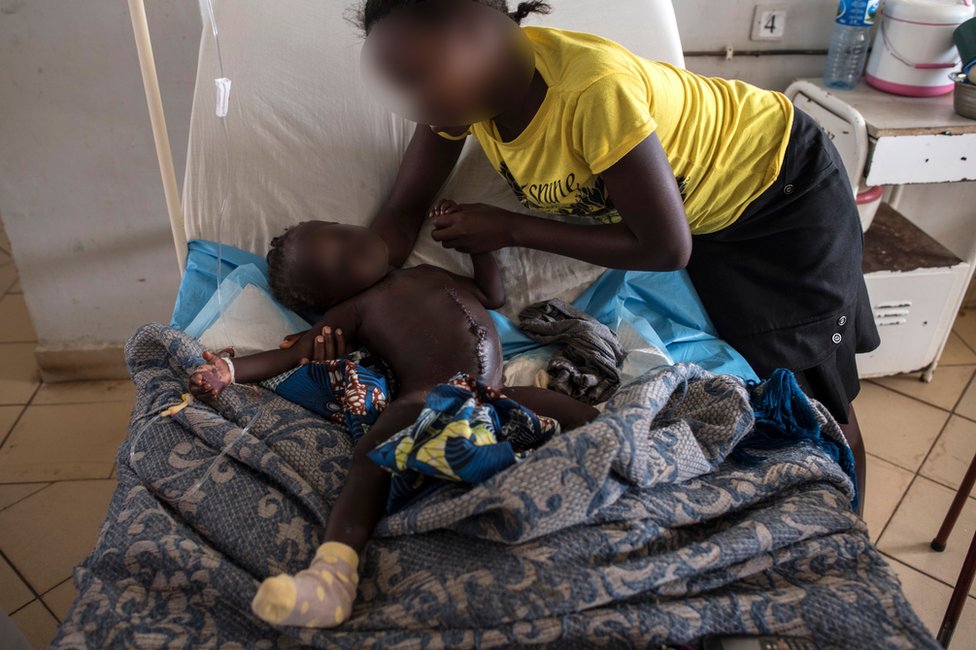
(849, 46)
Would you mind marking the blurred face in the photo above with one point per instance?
(446, 63)
(343, 260)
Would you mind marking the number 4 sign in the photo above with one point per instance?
(769, 23)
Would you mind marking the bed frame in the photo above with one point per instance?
(147, 64)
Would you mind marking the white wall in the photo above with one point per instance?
(80, 193)
(709, 26)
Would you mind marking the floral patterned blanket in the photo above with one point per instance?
(639, 529)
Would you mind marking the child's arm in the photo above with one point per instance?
(211, 378)
(487, 284)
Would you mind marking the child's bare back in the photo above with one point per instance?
(428, 327)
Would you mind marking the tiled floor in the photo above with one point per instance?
(57, 454)
(57, 445)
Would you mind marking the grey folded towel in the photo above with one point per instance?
(588, 366)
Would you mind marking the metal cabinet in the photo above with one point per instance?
(921, 252)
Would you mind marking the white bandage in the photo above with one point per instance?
(230, 366)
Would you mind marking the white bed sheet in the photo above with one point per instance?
(305, 140)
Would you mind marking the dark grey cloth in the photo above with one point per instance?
(588, 366)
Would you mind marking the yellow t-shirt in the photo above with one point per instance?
(725, 140)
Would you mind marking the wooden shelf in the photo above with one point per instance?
(893, 243)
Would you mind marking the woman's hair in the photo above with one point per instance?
(286, 276)
(372, 11)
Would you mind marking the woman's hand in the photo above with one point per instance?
(328, 346)
(473, 228)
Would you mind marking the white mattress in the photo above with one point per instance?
(304, 140)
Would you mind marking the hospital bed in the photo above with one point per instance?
(669, 519)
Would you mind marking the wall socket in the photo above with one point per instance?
(769, 22)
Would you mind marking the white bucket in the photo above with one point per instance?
(913, 50)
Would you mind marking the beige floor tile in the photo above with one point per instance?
(886, 486)
(16, 288)
(60, 598)
(956, 352)
(8, 415)
(46, 535)
(14, 594)
(929, 599)
(5, 260)
(15, 323)
(952, 453)
(917, 521)
(19, 375)
(896, 428)
(37, 624)
(967, 405)
(8, 277)
(944, 391)
(965, 327)
(11, 494)
(59, 442)
(83, 392)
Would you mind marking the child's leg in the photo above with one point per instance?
(571, 413)
(322, 595)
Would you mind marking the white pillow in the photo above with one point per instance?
(250, 320)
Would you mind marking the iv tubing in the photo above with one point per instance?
(186, 401)
(147, 63)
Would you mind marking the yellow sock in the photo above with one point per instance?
(320, 596)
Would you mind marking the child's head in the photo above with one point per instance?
(449, 62)
(318, 264)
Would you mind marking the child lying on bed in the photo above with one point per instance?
(428, 324)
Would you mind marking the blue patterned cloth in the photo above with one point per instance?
(351, 390)
(636, 530)
(784, 416)
(467, 432)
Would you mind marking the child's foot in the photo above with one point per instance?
(320, 596)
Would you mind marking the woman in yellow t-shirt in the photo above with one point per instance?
(675, 170)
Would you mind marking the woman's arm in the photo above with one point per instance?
(654, 235)
(427, 163)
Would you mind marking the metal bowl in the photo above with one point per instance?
(965, 96)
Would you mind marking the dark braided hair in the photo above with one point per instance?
(286, 276)
(372, 11)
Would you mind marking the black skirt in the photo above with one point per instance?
(783, 284)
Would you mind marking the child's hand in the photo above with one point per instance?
(327, 346)
(290, 340)
(442, 207)
(475, 228)
(210, 379)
